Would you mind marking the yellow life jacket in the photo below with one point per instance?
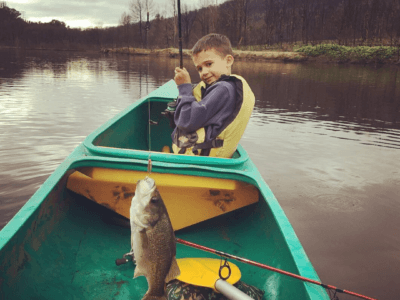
(225, 144)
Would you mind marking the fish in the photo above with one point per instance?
(152, 239)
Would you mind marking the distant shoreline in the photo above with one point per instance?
(240, 55)
(268, 56)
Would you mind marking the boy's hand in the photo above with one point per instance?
(181, 76)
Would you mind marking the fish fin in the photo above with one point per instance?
(152, 297)
(174, 270)
(138, 272)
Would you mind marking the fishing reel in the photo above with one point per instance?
(169, 113)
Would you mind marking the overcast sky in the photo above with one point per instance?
(86, 13)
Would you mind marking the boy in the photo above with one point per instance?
(211, 118)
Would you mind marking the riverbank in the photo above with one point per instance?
(238, 54)
(325, 53)
(355, 55)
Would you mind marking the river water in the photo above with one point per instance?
(326, 139)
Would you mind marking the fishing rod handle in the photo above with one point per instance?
(121, 261)
(229, 291)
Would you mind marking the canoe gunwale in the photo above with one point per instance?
(79, 158)
(249, 174)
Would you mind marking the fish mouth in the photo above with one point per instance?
(147, 185)
(150, 182)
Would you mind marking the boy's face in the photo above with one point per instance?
(211, 65)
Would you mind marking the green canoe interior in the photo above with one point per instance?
(62, 245)
(67, 249)
(130, 131)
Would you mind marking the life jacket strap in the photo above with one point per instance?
(203, 146)
(208, 145)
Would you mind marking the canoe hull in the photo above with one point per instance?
(62, 244)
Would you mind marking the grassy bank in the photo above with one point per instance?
(323, 53)
(359, 54)
(238, 54)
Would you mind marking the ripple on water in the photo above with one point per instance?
(394, 180)
(337, 203)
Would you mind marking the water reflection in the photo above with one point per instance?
(345, 93)
(49, 102)
(324, 137)
(326, 140)
(337, 99)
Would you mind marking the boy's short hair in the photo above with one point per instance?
(218, 42)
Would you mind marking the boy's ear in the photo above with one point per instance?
(229, 59)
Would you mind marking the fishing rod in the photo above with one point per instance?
(263, 266)
(180, 35)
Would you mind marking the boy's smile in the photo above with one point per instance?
(211, 65)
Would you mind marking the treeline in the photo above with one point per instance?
(245, 22)
(14, 31)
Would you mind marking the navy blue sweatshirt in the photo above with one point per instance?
(216, 105)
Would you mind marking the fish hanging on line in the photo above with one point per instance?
(152, 239)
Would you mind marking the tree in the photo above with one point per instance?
(392, 13)
(11, 25)
(125, 22)
(270, 20)
(140, 9)
(137, 8)
(187, 18)
(204, 17)
(207, 16)
(305, 13)
(239, 15)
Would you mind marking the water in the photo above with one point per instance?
(326, 139)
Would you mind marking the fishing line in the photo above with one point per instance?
(149, 164)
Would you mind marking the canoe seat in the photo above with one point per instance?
(189, 199)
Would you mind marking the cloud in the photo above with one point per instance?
(85, 13)
(74, 13)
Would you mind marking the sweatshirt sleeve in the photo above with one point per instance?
(191, 115)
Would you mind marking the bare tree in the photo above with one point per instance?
(188, 18)
(270, 20)
(214, 9)
(240, 16)
(125, 22)
(137, 8)
(306, 14)
(208, 16)
(174, 22)
(392, 12)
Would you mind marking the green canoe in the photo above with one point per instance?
(63, 243)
